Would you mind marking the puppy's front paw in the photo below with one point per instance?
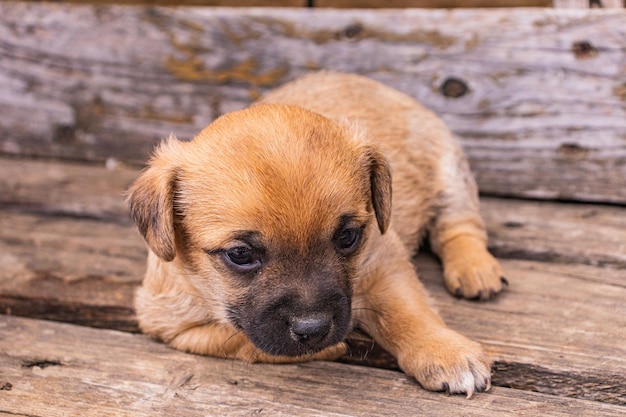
(449, 362)
(470, 271)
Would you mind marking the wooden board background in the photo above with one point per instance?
(369, 3)
(538, 97)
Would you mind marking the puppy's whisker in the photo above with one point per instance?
(348, 350)
(368, 309)
(222, 347)
(360, 325)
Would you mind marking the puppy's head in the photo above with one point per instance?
(267, 211)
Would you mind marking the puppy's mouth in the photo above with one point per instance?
(286, 331)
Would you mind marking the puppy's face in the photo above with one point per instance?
(266, 212)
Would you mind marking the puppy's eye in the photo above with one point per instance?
(242, 259)
(348, 240)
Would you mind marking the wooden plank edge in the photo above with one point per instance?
(363, 351)
(118, 318)
(69, 360)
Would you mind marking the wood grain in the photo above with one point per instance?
(544, 231)
(360, 3)
(556, 233)
(66, 189)
(56, 368)
(78, 270)
(431, 3)
(537, 96)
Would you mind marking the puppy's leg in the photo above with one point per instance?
(393, 308)
(458, 236)
(224, 341)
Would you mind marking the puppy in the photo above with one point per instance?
(272, 234)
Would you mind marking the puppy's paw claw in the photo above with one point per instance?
(450, 363)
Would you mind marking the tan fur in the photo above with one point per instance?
(290, 174)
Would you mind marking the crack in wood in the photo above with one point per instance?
(97, 316)
(40, 363)
(607, 388)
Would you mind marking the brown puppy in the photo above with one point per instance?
(271, 233)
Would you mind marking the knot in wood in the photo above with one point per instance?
(352, 31)
(584, 49)
(573, 150)
(454, 87)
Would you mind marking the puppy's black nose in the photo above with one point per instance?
(311, 329)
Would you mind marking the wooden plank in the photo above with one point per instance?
(578, 233)
(537, 96)
(430, 3)
(78, 270)
(555, 232)
(219, 3)
(55, 369)
(376, 4)
(350, 3)
(586, 4)
(66, 189)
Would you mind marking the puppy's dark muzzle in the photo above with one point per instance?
(312, 329)
(293, 326)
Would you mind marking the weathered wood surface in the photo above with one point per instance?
(538, 96)
(59, 369)
(587, 4)
(545, 231)
(336, 3)
(354, 4)
(69, 253)
(431, 3)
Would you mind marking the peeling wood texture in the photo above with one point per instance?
(65, 258)
(537, 96)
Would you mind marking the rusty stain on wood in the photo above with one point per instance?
(151, 114)
(620, 91)
(193, 69)
(356, 31)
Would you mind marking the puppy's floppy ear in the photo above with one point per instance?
(380, 182)
(151, 200)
